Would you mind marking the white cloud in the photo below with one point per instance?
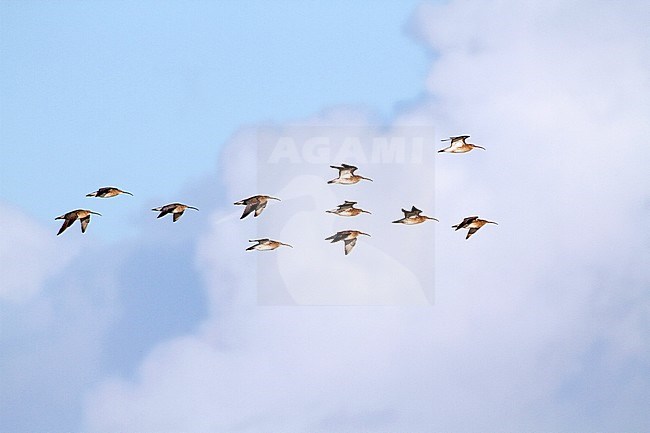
(29, 255)
(525, 312)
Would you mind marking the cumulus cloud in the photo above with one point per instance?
(539, 323)
(53, 318)
(28, 255)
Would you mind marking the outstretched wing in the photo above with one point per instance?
(67, 222)
(471, 232)
(411, 213)
(347, 205)
(260, 207)
(84, 223)
(103, 191)
(346, 170)
(250, 207)
(177, 215)
(349, 244)
(163, 212)
(339, 236)
(467, 221)
(458, 141)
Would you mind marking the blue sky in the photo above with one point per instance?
(142, 95)
(539, 323)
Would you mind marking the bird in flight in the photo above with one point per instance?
(346, 175)
(107, 192)
(347, 209)
(413, 216)
(265, 245)
(176, 209)
(83, 215)
(459, 145)
(255, 203)
(349, 237)
(473, 223)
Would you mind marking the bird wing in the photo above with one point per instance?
(339, 236)
(250, 207)
(177, 215)
(346, 170)
(349, 244)
(459, 141)
(259, 240)
(415, 210)
(260, 207)
(471, 232)
(247, 201)
(67, 222)
(411, 213)
(84, 223)
(347, 205)
(164, 210)
(466, 222)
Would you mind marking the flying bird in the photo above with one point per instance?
(256, 203)
(346, 175)
(347, 209)
(413, 216)
(458, 145)
(107, 192)
(83, 215)
(265, 245)
(473, 223)
(348, 236)
(176, 209)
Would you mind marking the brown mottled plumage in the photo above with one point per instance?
(256, 204)
(346, 175)
(473, 223)
(413, 217)
(458, 145)
(83, 215)
(107, 192)
(347, 209)
(265, 245)
(348, 236)
(176, 209)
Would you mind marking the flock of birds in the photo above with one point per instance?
(257, 203)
